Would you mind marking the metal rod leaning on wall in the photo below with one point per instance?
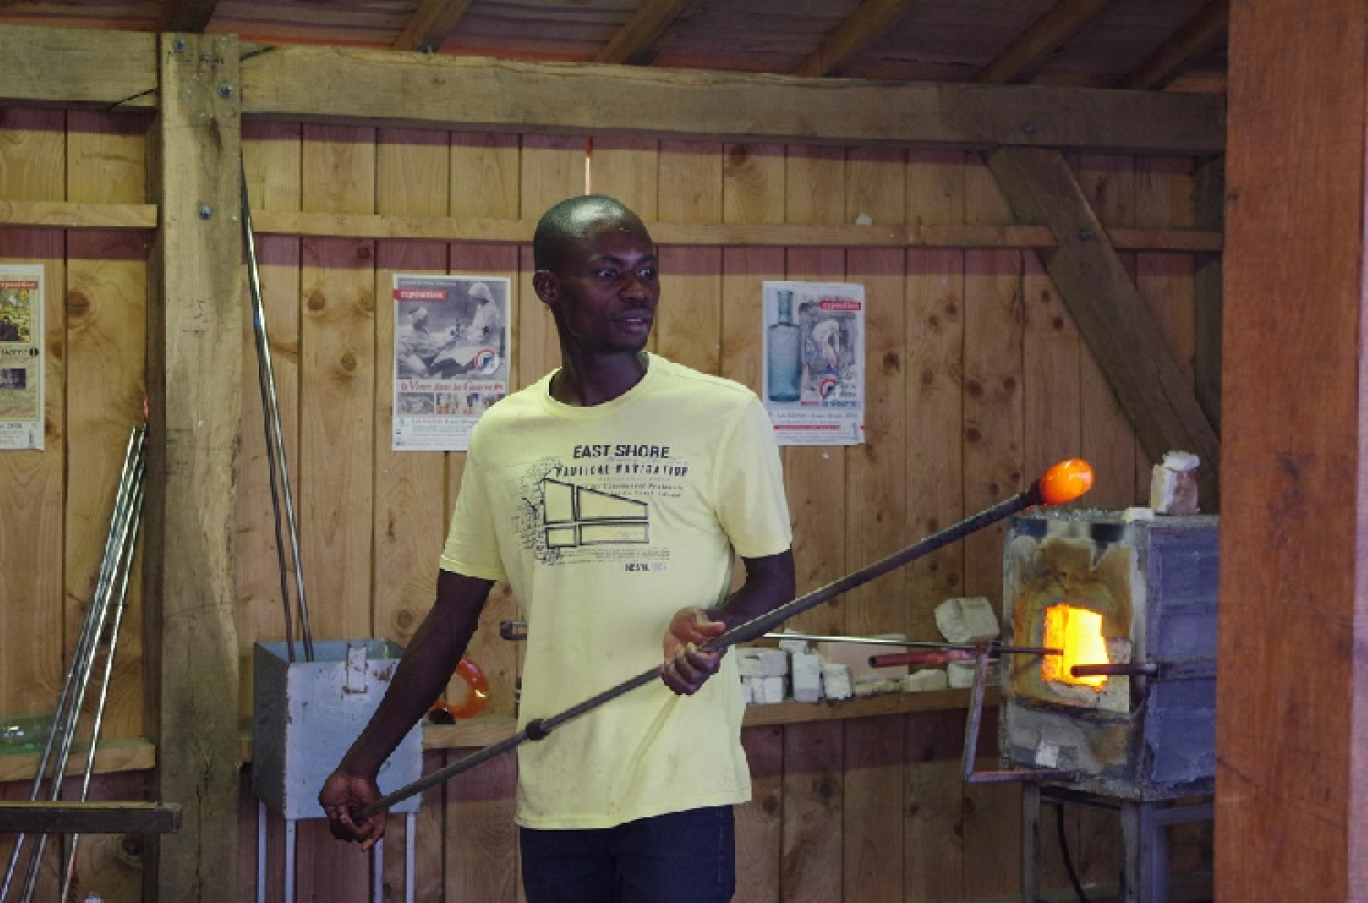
(124, 507)
(77, 678)
(1059, 485)
(275, 446)
(120, 600)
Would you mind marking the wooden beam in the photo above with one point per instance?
(75, 67)
(1050, 32)
(1292, 753)
(387, 88)
(194, 384)
(870, 20)
(58, 214)
(418, 228)
(1112, 317)
(89, 818)
(636, 41)
(187, 15)
(1199, 37)
(431, 24)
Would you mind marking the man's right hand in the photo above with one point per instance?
(343, 794)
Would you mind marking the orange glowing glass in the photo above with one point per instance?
(1078, 632)
(1066, 481)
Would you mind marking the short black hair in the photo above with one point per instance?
(565, 222)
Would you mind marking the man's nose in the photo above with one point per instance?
(635, 286)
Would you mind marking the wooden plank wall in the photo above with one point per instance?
(977, 380)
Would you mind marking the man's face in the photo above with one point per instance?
(604, 290)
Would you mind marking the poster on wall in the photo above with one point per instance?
(451, 346)
(814, 362)
(21, 356)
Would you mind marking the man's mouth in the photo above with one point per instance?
(635, 322)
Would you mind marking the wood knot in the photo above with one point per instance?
(348, 361)
(316, 301)
(78, 304)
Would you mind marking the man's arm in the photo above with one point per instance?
(769, 583)
(423, 672)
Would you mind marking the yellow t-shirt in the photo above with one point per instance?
(605, 521)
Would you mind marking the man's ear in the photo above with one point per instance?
(544, 284)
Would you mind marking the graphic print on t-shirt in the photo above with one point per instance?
(595, 505)
(580, 516)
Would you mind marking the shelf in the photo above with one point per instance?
(480, 732)
(141, 755)
(112, 755)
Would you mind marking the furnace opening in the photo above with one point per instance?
(1078, 632)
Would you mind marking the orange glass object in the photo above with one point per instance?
(1066, 481)
(477, 691)
(1078, 632)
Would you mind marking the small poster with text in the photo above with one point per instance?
(814, 362)
(451, 358)
(21, 356)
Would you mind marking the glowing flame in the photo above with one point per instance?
(1078, 632)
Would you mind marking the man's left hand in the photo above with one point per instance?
(686, 667)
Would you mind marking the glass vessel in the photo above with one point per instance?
(784, 357)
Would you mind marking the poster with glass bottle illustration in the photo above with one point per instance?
(814, 362)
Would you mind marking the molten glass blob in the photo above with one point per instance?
(1066, 481)
(1078, 632)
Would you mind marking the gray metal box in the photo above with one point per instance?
(306, 714)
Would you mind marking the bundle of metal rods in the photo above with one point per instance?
(97, 642)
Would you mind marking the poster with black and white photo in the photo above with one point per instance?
(814, 383)
(21, 356)
(451, 357)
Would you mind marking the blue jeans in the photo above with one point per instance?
(682, 857)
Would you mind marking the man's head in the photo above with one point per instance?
(420, 315)
(481, 293)
(596, 271)
(569, 221)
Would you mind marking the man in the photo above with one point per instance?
(611, 495)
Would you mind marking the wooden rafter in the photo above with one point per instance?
(430, 24)
(1201, 35)
(187, 15)
(852, 36)
(1050, 32)
(636, 41)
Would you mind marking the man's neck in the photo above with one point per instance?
(585, 380)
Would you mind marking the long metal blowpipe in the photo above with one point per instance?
(1059, 485)
(275, 447)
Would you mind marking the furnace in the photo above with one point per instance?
(1127, 709)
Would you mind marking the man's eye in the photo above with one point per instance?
(607, 274)
(647, 275)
